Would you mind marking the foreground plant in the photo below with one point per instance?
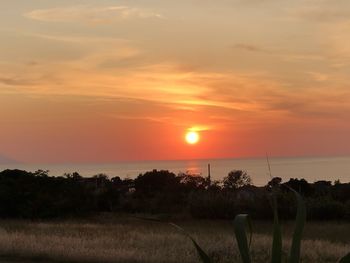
(242, 221)
(345, 259)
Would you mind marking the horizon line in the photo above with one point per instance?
(17, 162)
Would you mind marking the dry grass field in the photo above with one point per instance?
(129, 240)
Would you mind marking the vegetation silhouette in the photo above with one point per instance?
(241, 222)
(38, 195)
(236, 179)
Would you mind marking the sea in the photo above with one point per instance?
(310, 168)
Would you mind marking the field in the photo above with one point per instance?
(130, 240)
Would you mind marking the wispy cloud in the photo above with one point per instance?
(316, 11)
(15, 81)
(91, 14)
(317, 76)
(249, 47)
(78, 39)
(245, 96)
(323, 12)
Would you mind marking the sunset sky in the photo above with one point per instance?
(108, 80)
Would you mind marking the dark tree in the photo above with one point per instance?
(154, 182)
(236, 179)
(301, 186)
(192, 182)
(274, 182)
(38, 195)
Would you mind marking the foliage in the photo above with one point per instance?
(236, 179)
(38, 195)
(325, 209)
(345, 259)
(243, 220)
(218, 205)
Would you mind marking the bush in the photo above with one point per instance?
(325, 209)
(236, 179)
(347, 209)
(204, 204)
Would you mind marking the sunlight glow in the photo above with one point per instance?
(192, 137)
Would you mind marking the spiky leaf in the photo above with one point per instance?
(345, 259)
(202, 255)
(294, 256)
(240, 223)
(276, 256)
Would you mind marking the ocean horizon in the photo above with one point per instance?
(310, 168)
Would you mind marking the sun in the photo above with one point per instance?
(192, 137)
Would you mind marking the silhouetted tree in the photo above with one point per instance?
(151, 183)
(38, 195)
(73, 176)
(191, 182)
(301, 186)
(236, 179)
(274, 182)
(322, 188)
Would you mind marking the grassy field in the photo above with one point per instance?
(129, 240)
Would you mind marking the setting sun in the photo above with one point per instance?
(192, 137)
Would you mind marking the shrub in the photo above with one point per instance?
(236, 179)
(325, 209)
(204, 204)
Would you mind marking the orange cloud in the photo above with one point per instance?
(250, 76)
(91, 14)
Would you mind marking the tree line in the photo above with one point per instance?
(37, 195)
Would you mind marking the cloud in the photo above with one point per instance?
(99, 48)
(199, 128)
(249, 47)
(317, 76)
(322, 11)
(79, 39)
(90, 14)
(284, 53)
(251, 97)
(323, 15)
(15, 81)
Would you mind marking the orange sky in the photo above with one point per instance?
(107, 80)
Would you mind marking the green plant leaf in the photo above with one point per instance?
(240, 223)
(276, 256)
(345, 259)
(294, 256)
(202, 255)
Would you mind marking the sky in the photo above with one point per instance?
(107, 80)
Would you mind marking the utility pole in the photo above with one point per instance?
(209, 177)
